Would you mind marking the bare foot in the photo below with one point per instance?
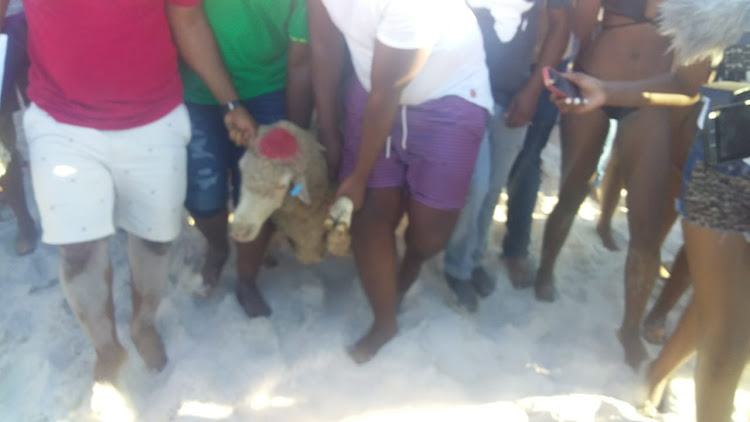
(544, 288)
(108, 363)
(605, 233)
(519, 270)
(635, 351)
(251, 300)
(366, 347)
(654, 331)
(149, 345)
(26, 239)
(212, 266)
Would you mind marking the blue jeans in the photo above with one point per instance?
(213, 158)
(525, 178)
(499, 148)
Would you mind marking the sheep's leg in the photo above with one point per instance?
(337, 224)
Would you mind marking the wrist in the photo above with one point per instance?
(229, 106)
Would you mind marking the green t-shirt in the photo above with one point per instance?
(253, 37)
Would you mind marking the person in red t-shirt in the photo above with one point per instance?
(107, 132)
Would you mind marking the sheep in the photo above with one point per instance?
(285, 178)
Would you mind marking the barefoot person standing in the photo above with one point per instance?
(107, 133)
(415, 115)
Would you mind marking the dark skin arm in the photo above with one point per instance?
(392, 70)
(299, 98)
(197, 46)
(523, 104)
(584, 17)
(327, 50)
(673, 89)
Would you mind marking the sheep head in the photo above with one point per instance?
(271, 171)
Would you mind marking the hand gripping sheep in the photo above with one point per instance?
(284, 178)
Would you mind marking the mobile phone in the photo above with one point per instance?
(557, 84)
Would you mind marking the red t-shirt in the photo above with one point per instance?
(105, 64)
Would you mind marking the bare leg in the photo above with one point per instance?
(683, 127)
(86, 279)
(611, 186)
(582, 140)
(12, 183)
(654, 326)
(250, 257)
(679, 348)
(374, 247)
(214, 229)
(149, 269)
(719, 264)
(428, 232)
(645, 157)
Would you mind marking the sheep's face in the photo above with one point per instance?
(263, 192)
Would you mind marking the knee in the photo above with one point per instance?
(75, 258)
(423, 245)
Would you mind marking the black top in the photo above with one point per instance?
(633, 9)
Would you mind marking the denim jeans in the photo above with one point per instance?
(497, 152)
(525, 178)
(213, 158)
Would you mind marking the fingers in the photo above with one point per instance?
(340, 215)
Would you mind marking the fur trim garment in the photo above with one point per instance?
(703, 29)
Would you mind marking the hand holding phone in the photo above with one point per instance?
(558, 84)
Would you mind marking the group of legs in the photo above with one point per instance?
(14, 81)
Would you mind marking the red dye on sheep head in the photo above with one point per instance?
(278, 144)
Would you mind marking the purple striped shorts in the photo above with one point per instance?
(432, 149)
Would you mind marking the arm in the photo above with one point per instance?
(523, 104)
(197, 46)
(392, 70)
(299, 97)
(327, 51)
(673, 89)
(676, 88)
(584, 17)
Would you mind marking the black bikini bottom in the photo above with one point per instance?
(617, 112)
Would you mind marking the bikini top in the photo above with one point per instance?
(633, 9)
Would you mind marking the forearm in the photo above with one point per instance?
(299, 98)
(675, 89)
(380, 110)
(553, 47)
(197, 46)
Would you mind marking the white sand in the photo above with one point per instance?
(515, 360)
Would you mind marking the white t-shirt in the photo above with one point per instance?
(456, 65)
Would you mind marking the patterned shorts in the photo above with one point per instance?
(716, 197)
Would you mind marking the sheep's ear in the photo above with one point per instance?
(299, 190)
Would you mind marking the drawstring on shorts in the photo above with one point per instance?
(404, 134)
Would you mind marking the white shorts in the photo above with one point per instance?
(88, 181)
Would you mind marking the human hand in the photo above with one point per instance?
(354, 188)
(593, 95)
(522, 107)
(241, 126)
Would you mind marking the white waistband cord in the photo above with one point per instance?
(404, 128)
(388, 147)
